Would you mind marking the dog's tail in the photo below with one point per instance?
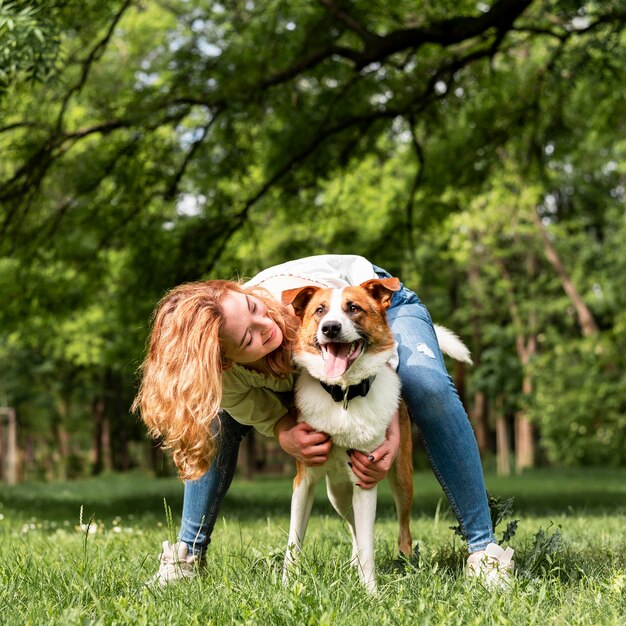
(451, 345)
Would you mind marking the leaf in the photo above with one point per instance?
(540, 558)
(511, 529)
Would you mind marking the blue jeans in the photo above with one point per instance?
(434, 406)
(203, 497)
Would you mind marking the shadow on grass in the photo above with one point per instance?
(540, 492)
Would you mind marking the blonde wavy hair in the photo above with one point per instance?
(181, 388)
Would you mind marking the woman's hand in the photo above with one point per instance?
(371, 469)
(303, 442)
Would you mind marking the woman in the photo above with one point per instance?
(218, 362)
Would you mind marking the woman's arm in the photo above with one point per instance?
(371, 469)
(303, 442)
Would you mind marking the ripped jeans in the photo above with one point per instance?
(435, 407)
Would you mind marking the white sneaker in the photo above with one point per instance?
(176, 564)
(494, 566)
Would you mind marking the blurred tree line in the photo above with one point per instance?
(476, 150)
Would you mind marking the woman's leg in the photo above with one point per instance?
(435, 406)
(203, 497)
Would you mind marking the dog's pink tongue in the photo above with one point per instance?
(336, 359)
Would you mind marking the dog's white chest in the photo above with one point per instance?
(363, 423)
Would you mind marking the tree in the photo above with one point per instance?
(176, 140)
(206, 109)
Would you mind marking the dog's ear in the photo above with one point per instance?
(298, 298)
(382, 289)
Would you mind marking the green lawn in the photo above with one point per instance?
(52, 572)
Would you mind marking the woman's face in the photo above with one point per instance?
(248, 333)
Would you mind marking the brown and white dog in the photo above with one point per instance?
(347, 389)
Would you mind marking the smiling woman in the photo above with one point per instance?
(200, 330)
(248, 318)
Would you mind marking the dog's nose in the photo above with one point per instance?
(331, 329)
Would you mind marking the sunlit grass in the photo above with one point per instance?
(56, 571)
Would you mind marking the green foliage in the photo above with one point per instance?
(499, 509)
(580, 402)
(29, 42)
(545, 555)
(173, 141)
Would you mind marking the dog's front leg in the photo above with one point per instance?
(364, 505)
(301, 503)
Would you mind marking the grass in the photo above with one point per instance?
(52, 571)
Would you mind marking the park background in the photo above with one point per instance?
(474, 149)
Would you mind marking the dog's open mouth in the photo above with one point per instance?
(338, 357)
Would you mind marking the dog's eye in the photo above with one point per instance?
(319, 310)
(353, 308)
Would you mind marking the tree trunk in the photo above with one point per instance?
(477, 418)
(118, 423)
(586, 320)
(10, 456)
(97, 413)
(29, 457)
(525, 346)
(107, 457)
(524, 443)
(478, 412)
(503, 452)
(524, 437)
(61, 438)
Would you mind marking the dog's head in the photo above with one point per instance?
(344, 336)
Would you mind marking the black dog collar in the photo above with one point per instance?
(338, 394)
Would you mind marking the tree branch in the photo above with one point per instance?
(348, 20)
(27, 180)
(96, 53)
(172, 188)
(377, 48)
(417, 181)
(24, 124)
